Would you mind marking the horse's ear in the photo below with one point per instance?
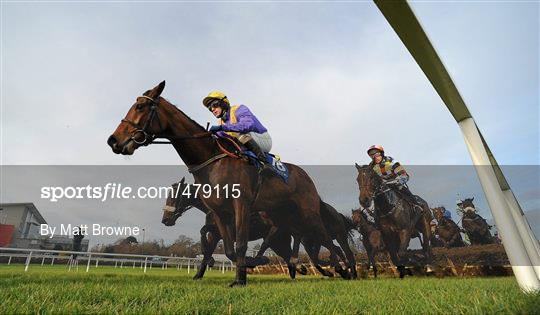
(357, 166)
(472, 199)
(156, 92)
(183, 180)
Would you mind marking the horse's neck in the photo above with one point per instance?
(192, 151)
(197, 203)
(381, 200)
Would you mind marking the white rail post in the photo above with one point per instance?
(188, 263)
(145, 261)
(513, 244)
(9, 261)
(529, 239)
(28, 261)
(223, 266)
(52, 261)
(88, 264)
(43, 260)
(97, 261)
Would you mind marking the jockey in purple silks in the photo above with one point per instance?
(239, 122)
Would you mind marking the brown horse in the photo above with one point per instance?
(447, 229)
(371, 238)
(152, 116)
(476, 227)
(177, 204)
(395, 216)
(261, 226)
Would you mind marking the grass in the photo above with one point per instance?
(52, 289)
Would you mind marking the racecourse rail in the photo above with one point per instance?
(72, 259)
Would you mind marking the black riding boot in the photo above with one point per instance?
(254, 147)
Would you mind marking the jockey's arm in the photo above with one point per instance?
(401, 175)
(245, 122)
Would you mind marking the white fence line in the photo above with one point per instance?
(120, 260)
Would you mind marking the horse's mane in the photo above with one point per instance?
(184, 114)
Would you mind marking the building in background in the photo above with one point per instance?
(19, 228)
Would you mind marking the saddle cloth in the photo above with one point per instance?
(277, 166)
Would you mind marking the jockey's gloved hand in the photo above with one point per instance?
(402, 180)
(215, 128)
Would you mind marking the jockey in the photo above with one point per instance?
(238, 122)
(391, 172)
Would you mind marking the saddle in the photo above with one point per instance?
(273, 160)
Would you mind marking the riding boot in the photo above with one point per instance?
(255, 148)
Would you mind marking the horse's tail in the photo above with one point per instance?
(347, 221)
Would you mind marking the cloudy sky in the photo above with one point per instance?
(327, 79)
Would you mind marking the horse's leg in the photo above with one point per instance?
(266, 241)
(334, 261)
(209, 241)
(227, 235)
(313, 253)
(391, 240)
(404, 240)
(242, 237)
(351, 261)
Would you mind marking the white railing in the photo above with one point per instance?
(120, 260)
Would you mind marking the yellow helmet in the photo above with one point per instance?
(215, 95)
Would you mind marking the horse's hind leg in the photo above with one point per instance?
(334, 259)
(351, 261)
(313, 253)
(266, 241)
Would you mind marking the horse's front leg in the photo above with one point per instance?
(227, 236)
(209, 241)
(242, 237)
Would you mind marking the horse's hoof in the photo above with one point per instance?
(303, 270)
(237, 283)
(196, 277)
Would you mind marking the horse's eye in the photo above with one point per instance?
(139, 107)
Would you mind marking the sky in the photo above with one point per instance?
(328, 79)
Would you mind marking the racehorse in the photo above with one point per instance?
(395, 216)
(152, 116)
(261, 226)
(177, 204)
(371, 238)
(447, 229)
(474, 225)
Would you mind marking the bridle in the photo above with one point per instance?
(149, 138)
(176, 211)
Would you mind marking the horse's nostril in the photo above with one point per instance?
(111, 141)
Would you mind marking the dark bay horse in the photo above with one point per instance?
(371, 238)
(447, 229)
(261, 226)
(476, 227)
(395, 216)
(152, 116)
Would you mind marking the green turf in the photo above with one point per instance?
(110, 290)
